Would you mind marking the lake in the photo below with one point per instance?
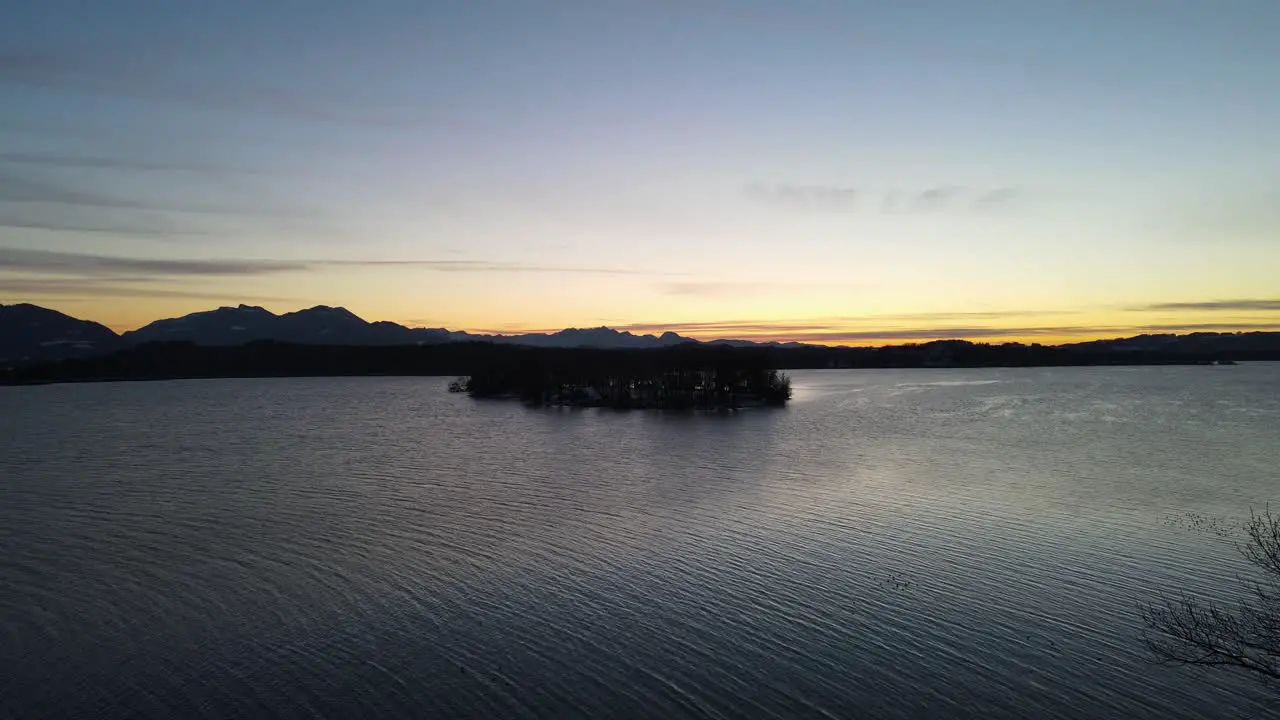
(893, 544)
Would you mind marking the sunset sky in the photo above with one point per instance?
(1011, 169)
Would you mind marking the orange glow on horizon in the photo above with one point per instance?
(1046, 328)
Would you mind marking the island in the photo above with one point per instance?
(671, 389)
(682, 377)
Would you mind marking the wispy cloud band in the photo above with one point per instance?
(132, 71)
(58, 160)
(48, 261)
(1215, 305)
(23, 190)
(106, 227)
(87, 264)
(70, 289)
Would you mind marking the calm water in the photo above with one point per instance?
(897, 544)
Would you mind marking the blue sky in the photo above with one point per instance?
(529, 165)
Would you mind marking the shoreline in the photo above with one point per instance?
(6, 381)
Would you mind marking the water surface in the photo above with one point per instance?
(897, 544)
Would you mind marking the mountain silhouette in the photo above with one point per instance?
(320, 325)
(601, 337)
(324, 325)
(223, 326)
(30, 333)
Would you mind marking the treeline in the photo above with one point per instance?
(683, 377)
(272, 359)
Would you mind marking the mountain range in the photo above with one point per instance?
(32, 334)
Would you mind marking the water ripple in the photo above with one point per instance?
(895, 544)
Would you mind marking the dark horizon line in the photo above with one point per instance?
(905, 336)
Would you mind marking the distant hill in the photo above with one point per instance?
(223, 326)
(601, 337)
(320, 325)
(1200, 342)
(30, 333)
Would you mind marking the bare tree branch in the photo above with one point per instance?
(1246, 637)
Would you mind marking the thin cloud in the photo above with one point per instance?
(134, 72)
(836, 331)
(722, 289)
(104, 228)
(41, 203)
(832, 335)
(110, 163)
(988, 333)
(935, 199)
(974, 315)
(473, 266)
(996, 198)
(716, 329)
(824, 324)
(945, 333)
(1214, 305)
(21, 190)
(80, 288)
(854, 329)
(944, 198)
(49, 261)
(1211, 327)
(724, 327)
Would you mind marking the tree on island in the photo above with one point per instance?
(1245, 636)
(670, 378)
